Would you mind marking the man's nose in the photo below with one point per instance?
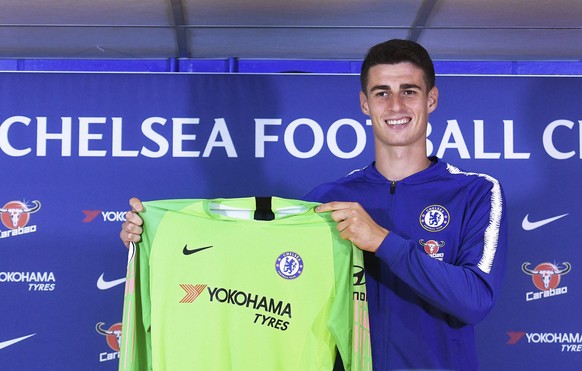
(394, 103)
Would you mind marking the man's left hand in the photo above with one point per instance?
(355, 224)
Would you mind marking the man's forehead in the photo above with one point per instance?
(400, 75)
(400, 70)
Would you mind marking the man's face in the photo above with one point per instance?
(398, 104)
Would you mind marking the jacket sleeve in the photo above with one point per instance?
(466, 288)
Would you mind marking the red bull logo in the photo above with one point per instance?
(546, 278)
(15, 216)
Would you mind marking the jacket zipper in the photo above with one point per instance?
(392, 187)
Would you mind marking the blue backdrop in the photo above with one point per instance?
(74, 147)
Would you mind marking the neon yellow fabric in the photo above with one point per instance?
(211, 288)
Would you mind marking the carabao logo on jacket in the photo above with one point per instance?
(432, 247)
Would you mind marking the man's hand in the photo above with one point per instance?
(355, 224)
(131, 229)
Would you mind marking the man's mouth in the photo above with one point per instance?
(398, 122)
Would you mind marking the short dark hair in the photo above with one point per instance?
(397, 51)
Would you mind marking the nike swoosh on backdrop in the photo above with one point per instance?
(188, 252)
(7, 343)
(106, 285)
(530, 226)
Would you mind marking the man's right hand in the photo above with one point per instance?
(131, 229)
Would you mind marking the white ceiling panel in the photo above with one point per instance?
(86, 12)
(304, 29)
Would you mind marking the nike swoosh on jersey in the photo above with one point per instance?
(188, 252)
(530, 226)
(7, 343)
(106, 285)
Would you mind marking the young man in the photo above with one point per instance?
(434, 236)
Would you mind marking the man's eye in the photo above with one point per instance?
(408, 92)
(382, 94)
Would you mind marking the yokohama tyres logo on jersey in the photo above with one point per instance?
(269, 312)
(15, 216)
(192, 292)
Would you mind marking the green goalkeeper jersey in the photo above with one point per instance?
(210, 287)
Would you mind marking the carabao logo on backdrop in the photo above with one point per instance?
(15, 216)
(113, 339)
(194, 137)
(546, 278)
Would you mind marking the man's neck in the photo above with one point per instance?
(400, 164)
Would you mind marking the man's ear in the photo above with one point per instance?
(364, 103)
(433, 99)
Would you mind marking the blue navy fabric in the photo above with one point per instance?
(439, 270)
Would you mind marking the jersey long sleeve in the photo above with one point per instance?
(438, 271)
(211, 287)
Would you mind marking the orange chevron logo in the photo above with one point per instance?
(514, 336)
(192, 292)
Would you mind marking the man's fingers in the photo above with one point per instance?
(127, 237)
(355, 224)
(340, 211)
(133, 218)
(342, 225)
(333, 206)
(131, 227)
(136, 204)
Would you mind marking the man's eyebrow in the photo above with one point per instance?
(410, 86)
(380, 87)
(402, 87)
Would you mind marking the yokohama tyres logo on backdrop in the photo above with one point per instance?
(105, 216)
(15, 216)
(34, 281)
(567, 341)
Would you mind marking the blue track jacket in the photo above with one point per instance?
(438, 271)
